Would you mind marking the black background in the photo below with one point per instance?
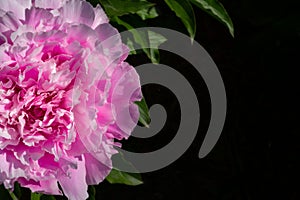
(257, 156)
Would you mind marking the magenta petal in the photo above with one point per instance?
(106, 114)
(42, 186)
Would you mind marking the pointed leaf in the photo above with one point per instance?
(144, 113)
(185, 12)
(120, 177)
(217, 10)
(148, 13)
(155, 40)
(120, 161)
(138, 36)
(115, 8)
(144, 39)
(131, 47)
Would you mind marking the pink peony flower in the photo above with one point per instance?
(65, 95)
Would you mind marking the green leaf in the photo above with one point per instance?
(144, 39)
(35, 196)
(144, 112)
(130, 45)
(92, 192)
(147, 13)
(47, 197)
(155, 40)
(137, 35)
(185, 12)
(120, 177)
(115, 8)
(119, 160)
(217, 10)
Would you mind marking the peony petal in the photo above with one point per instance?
(9, 166)
(78, 11)
(53, 4)
(83, 34)
(35, 16)
(17, 7)
(10, 21)
(74, 186)
(125, 89)
(106, 114)
(100, 17)
(42, 186)
(96, 171)
(110, 43)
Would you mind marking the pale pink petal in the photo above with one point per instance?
(96, 171)
(53, 4)
(16, 6)
(110, 43)
(124, 91)
(10, 21)
(10, 168)
(100, 17)
(78, 11)
(74, 184)
(35, 16)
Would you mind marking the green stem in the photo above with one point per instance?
(13, 196)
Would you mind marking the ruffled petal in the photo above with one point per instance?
(42, 186)
(124, 91)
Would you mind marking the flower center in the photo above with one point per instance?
(36, 116)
